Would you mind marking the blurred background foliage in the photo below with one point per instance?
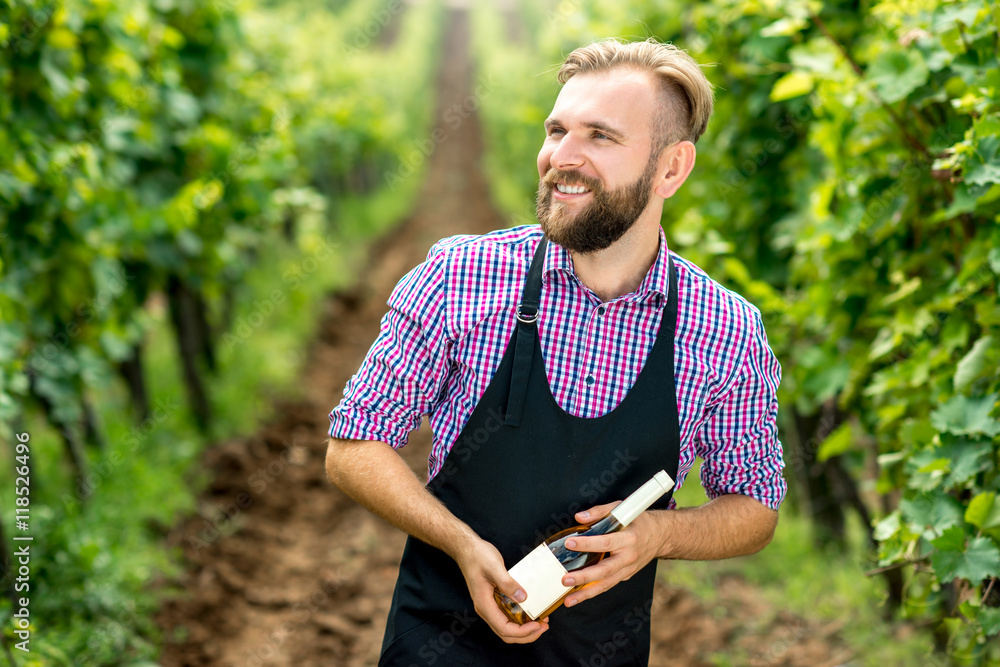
(161, 161)
(161, 165)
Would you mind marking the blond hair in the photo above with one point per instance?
(688, 96)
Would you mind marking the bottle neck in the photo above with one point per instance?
(640, 500)
(608, 524)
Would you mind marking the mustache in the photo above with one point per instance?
(553, 176)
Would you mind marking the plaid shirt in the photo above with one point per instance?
(451, 317)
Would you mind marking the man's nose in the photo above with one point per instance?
(568, 153)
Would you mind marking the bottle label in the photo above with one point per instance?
(540, 575)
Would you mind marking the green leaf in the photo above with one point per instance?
(971, 365)
(887, 527)
(890, 459)
(59, 84)
(917, 433)
(967, 416)
(819, 56)
(934, 510)
(827, 380)
(983, 511)
(836, 443)
(994, 259)
(979, 560)
(116, 347)
(964, 202)
(929, 475)
(952, 539)
(885, 342)
(792, 85)
(784, 27)
(989, 618)
(898, 73)
(985, 167)
(966, 458)
(947, 16)
(904, 290)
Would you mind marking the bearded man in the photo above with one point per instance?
(566, 363)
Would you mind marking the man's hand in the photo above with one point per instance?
(483, 568)
(730, 525)
(373, 474)
(629, 550)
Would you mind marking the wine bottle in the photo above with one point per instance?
(540, 573)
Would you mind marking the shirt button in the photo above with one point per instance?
(600, 311)
(590, 380)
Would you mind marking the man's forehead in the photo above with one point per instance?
(617, 97)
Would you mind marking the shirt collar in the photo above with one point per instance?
(657, 281)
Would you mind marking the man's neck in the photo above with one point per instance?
(620, 268)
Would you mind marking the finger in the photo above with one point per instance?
(610, 568)
(596, 512)
(589, 591)
(599, 543)
(508, 586)
(506, 629)
(510, 632)
(543, 627)
(498, 620)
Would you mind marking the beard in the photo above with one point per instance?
(604, 221)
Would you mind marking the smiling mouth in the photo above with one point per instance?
(571, 189)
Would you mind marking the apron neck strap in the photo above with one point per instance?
(524, 346)
(527, 311)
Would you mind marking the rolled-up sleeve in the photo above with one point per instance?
(739, 442)
(404, 370)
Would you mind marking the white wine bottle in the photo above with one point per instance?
(540, 573)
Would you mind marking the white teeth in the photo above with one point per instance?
(570, 189)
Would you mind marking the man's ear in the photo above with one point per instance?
(674, 165)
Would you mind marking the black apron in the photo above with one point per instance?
(519, 471)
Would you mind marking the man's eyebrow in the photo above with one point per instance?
(612, 132)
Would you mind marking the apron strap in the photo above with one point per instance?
(524, 346)
(670, 314)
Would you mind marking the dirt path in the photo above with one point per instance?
(302, 575)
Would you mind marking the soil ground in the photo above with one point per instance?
(304, 576)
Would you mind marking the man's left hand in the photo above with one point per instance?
(629, 550)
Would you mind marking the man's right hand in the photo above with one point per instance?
(373, 473)
(483, 568)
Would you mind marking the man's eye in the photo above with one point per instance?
(555, 130)
(601, 135)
